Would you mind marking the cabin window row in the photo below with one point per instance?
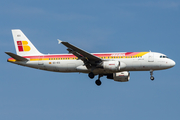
(122, 57)
(62, 58)
(100, 57)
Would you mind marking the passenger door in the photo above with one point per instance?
(151, 57)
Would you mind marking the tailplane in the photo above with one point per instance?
(16, 57)
(23, 45)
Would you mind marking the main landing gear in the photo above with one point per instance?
(98, 82)
(91, 75)
(151, 73)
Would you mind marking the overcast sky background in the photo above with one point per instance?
(95, 26)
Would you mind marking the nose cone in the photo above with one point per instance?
(172, 63)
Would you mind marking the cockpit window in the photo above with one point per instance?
(163, 56)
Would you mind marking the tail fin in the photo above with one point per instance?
(23, 45)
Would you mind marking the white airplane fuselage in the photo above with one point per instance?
(59, 63)
(113, 65)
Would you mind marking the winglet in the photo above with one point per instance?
(59, 41)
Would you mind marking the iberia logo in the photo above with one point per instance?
(23, 46)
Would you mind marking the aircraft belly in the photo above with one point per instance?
(63, 66)
(35, 64)
(142, 65)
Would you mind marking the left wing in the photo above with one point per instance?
(86, 57)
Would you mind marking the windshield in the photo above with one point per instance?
(163, 56)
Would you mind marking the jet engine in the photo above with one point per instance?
(111, 65)
(119, 76)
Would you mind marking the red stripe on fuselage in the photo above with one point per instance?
(72, 56)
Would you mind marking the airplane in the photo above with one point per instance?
(114, 66)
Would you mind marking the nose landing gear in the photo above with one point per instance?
(151, 73)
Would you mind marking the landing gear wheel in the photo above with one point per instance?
(151, 73)
(98, 82)
(91, 75)
(152, 78)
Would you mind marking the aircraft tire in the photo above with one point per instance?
(91, 75)
(152, 78)
(98, 82)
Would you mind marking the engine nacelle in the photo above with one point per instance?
(120, 76)
(111, 65)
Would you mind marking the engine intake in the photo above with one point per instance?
(120, 76)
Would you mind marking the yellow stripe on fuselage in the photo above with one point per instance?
(75, 58)
(141, 53)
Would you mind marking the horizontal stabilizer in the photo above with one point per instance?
(17, 57)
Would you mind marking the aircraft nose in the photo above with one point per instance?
(172, 63)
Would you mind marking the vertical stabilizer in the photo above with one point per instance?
(23, 45)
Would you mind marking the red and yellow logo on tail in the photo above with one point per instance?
(23, 46)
